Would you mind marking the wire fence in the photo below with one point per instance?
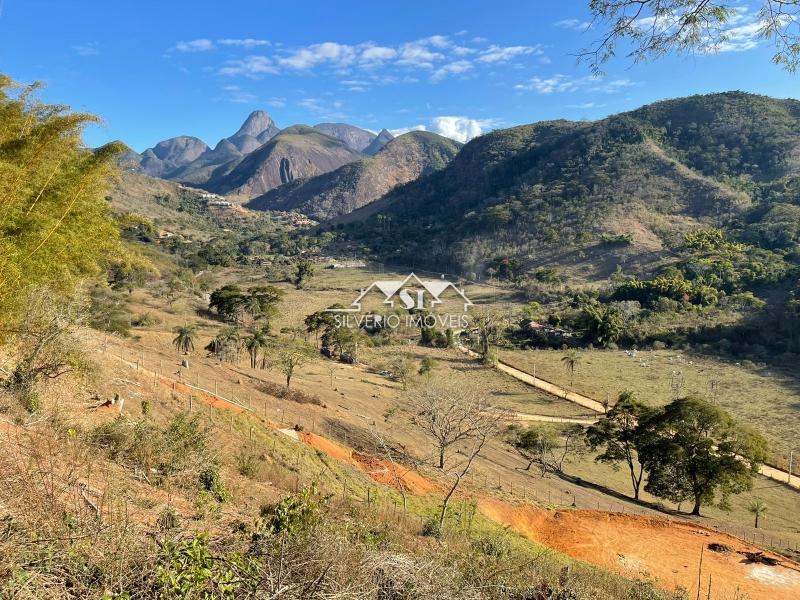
(190, 387)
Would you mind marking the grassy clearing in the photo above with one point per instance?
(764, 397)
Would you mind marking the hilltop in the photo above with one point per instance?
(357, 184)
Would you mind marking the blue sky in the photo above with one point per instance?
(154, 70)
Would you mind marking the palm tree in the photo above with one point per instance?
(226, 345)
(757, 508)
(254, 343)
(571, 361)
(184, 338)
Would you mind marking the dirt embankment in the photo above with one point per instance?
(665, 551)
(379, 469)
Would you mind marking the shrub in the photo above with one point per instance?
(145, 320)
(168, 519)
(211, 482)
(295, 514)
(247, 464)
(432, 528)
(496, 546)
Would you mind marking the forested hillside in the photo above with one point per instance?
(727, 160)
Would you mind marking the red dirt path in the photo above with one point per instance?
(663, 550)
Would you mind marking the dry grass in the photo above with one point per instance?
(764, 397)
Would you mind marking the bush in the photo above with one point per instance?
(659, 345)
(432, 528)
(247, 464)
(496, 546)
(295, 514)
(145, 320)
(211, 482)
(168, 519)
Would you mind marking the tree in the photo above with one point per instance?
(255, 343)
(227, 301)
(261, 303)
(226, 345)
(184, 338)
(692, 449)
(426, 365)
(618, 434)
(658, 27)
(44, 345)
(450, 416)
(322, 320)
(536, 445)
(401, 367)
(758, 509)
(603, 324)
(304, 271)
(55, 225)
(489, 327)
(545, 446)
(291, 356)
(571, 360)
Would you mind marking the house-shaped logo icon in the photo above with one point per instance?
(403, 291)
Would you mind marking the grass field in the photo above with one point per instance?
(765, 398)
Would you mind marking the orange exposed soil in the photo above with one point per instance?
(382, 471)
(330, 448)
(665, 551)
(397, 476)
(210, 399)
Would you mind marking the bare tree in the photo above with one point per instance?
(454, 418)
(448, 414)
(401, 367)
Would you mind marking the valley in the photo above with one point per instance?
(572, 374)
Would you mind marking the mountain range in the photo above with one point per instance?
(359, 183)
(258, 157)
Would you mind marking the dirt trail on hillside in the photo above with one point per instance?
(663, 550)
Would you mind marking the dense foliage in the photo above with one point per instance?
(55, 227)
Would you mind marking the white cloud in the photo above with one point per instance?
(437, 41)
(564, 83)
(613, 86)
(435, 53)
(738, 39)
(548, 85)
(251, 66)
(243, 42)
(402, 130)
(498, 54)
(455, 68)
(327, 52)
(586, 105)
(238, 95)
(88, 49)
(417, 54)
(276, 102)
(461, 129)
(575, 24)
(201, 45)
(377, 54)
(321, 108)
